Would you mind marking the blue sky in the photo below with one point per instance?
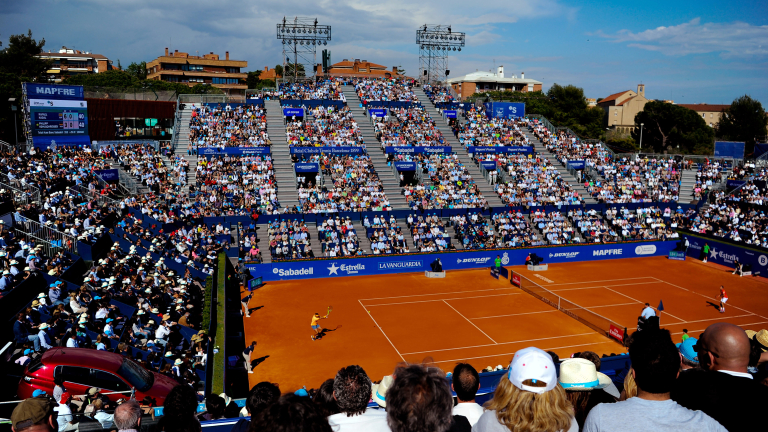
(687, 51)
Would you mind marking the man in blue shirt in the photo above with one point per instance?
(21, 333)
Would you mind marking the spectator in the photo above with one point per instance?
(466, 382)
(102, 416)
(722, 388)
(64, 414)
(127, 416)
(214, 408)
(419, 401)
(630, 387)
(688, 355)
(584, 386)
(655, 366)
(34, 414)
(179, 411)
(324, 398)
(262, 395)
(21, 332)
(292, 413)
(352, 391)
(528, 398)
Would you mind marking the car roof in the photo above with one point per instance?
(83, 357)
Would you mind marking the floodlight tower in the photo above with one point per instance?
(435, 42)
(300, 38)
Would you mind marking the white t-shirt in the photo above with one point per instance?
(372, 420)
(470, 410)
(645, 415)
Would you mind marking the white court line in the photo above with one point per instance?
(438, 300)
(608, 280)
(478, 328)
(423, 295)
(592, 287)
(740, 325)
(382, 330)
(522, 313)
(501, 343)
(714, 319)
(505, 354)
(644, 303)
(707, 297)
(618, 304)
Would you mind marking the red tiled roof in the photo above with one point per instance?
(625, 101)
(613, 96)
(705, 107)
(56, 55)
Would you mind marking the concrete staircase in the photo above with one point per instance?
(485, 187)
(281, 157)
(568, 177)
(687, 184)
(362, 239)
(387, 174)
(183, 147)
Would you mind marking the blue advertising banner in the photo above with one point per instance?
(416, 150)
(507, 110)
(677, 255)
(576, 164)
(405, 166)
(760, 149)
(450, 113)
(500, 149)
(109, 175)
(382, 264)
(377, 112)
(54, 91)
(729, 148)
(726, 253)
(63, 140)
(307, 167)
(733, 184)
(489, 165)
(254, 101)
(290, 112)
(328, 150)
(234, 151)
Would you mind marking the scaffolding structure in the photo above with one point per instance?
(435, 43)
(301, 37)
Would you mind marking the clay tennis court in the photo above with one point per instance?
(470, 316)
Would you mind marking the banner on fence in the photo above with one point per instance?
(307, 167)
(616, 333)
(450, 113)
(726, 254)
(500, 149)
(729, 148)
(377, 112)
(677, 255)
(733, 184)
(379, 264)
(417, 150)
(576, 164)
(109, 175)
(233, 151)
(507, 110)
(515, 279)
(489, 165)
(291, 112)
(54, 91)
(328, 150)
(405, 166)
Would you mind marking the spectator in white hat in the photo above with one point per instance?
(528, 398)
(584, 386)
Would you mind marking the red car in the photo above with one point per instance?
(83, 368)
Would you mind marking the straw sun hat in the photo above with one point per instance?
(579, 374)
(379, 391)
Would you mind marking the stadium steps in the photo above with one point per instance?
(687, 184)
(535, 228)
(561, 168)
(281, 155)
(314, 242)
(183, 147)
(363, 242)
(388, 177)
(485, 187)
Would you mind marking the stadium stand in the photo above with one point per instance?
(225, 126)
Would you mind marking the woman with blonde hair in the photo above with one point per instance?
(630, 388)
(528, 398)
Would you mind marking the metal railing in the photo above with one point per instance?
(44, 233)
(21, 197)
(209, 98)
(544, 121)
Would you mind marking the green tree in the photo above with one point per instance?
(253, 79)
(400, 71)
(18, 64)
(671, 128)
(138, 70)
(267, 84)
(745, 120)
(279, 70)
(119, 66)
(205, 89)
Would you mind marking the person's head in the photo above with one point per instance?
(583, 386)
(317, 315)
(253, 344)
(528, 397)
(262, 395)
(591, 356)
(291, 413)
(215, 406)
(324, 398)
(630, 387)
(128, 415)
(724, 346)
(33, 415)
(465, 382)
(655, 360)
(647, 305)
(688, 355)
(419, 400)
(685, 331)
(179, 410)
(352, 390)
(98, 404)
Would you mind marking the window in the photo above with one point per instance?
(224, 80)
(136, 375)
(191, 67)
(108, 381)
(704, 115)
(75, 374)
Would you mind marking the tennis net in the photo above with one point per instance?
(597, 322)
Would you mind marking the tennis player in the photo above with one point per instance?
(723, 299)
(315, 326)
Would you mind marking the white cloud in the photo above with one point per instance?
(483, 38)
(736, 39)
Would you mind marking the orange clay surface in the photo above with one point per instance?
(469, 316)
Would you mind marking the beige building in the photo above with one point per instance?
(478, 82)
(361, 68)
(621, 108)
(181, 67)
(710, 113)
(68, 62)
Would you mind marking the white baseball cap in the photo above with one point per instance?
(532, 364)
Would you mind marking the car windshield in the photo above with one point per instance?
(139, 378)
